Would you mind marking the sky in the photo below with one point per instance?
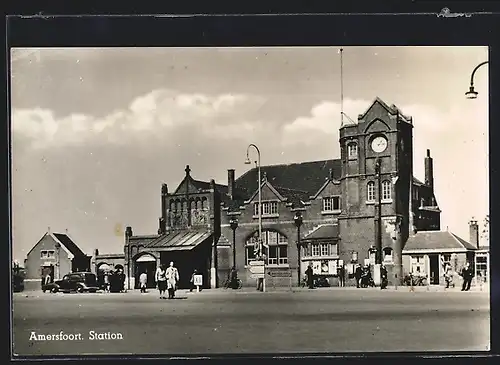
(95, 132)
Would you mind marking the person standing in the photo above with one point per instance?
(342, 276)
(195, 272)
(143, 280)
(172, 275)
(467, 276)
(383, 277)
(357, 275)
(310, 278)
(448, 275)
(161, 280)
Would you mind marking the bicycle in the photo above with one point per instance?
(228, 284)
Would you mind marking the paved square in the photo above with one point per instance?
(332, 320)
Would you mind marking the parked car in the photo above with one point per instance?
(77, 281)
(18, 279)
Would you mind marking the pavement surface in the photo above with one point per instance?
(335, 320)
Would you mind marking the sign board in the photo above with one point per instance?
(257, 276)
(257, 269)
(367, 262)
(198, 280)
(316, 267)
(257, 263)
(332, 267)
(280, 273)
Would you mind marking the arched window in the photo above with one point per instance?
(277, 251)
(386, 190)
(352, 150)
(204, 203)
(370, 191)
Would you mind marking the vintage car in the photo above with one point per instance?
(76, 281)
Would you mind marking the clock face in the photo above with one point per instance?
(379, 144)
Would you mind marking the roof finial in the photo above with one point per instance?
(264, 176)
(48, 229)
(188, 170)
(66, 230)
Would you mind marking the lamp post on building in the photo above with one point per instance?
(57, 270)
(472, 94)
(234, 224)
(248, 162)
(298, 223)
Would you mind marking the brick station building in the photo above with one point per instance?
(337, 200)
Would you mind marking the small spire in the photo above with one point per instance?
(188, 170)
(48, 229)
(66, 231)
(264, 176)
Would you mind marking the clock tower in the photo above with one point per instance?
(376, 178)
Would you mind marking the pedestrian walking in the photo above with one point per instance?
(448, 276)
(342, 276)
(310, 278)
(161, 280)
(143, 280)
(383, 277)
(172, 275)
(106, 282)
(192, 286)
(467, 276)
(357, 275)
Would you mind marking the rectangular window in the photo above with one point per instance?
(333, 249)
(386, 190)
(250, 254)
(283, 255)
(324, 249)
(268, 208)
(50, 254)
(306, 249)
(315, 249)
(352, 150)
(43, 254)
(331, 204)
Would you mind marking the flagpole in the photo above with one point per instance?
(341, 88)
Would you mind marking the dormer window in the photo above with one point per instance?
(331, 204)
(352, 150)
(268, 209)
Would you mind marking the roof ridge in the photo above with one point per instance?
(297, 190)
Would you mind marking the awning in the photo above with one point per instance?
(183, 240)
(146, 258)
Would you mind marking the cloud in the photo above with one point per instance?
(157, 113)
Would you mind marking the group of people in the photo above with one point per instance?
(364, 279)
(166, 280)
(112, 281)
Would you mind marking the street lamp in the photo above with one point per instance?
(298, 222)
(378, 221)
(472, 94)
(234, 224)
(248, 162)
(57, 270)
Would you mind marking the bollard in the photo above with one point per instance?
(197, 288)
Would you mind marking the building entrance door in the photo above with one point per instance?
(434, 269)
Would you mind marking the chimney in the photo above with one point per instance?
(474, 233)
(128, 232)
(429, 170)
(230, 183)
(96, 252)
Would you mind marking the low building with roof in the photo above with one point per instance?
(427, 253)
(354, 208)
(55, 254)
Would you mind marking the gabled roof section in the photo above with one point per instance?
(437, 240)
(180, 240)
(262, 185)
(307, 177)
(392, 110)
(327, 182)
(323, 232)
(67, 242)
(198, 185)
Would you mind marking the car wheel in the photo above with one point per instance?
(53, 290)
(79, 289)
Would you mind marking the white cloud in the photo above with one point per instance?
(155, 113)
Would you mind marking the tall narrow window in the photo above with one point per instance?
(370, 191)
(386, 190)
(352, 150)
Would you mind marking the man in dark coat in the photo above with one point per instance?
(357, 275)
(383, 277)
(467, 275)
(310, 279)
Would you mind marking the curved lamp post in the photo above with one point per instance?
(234, 224)
(298, 223)
(248, 162)
(472, 94)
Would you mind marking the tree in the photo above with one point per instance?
(485, 230)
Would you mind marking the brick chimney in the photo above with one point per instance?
(230, 183)
(128, 232)
(474, 233)
(429, 170)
